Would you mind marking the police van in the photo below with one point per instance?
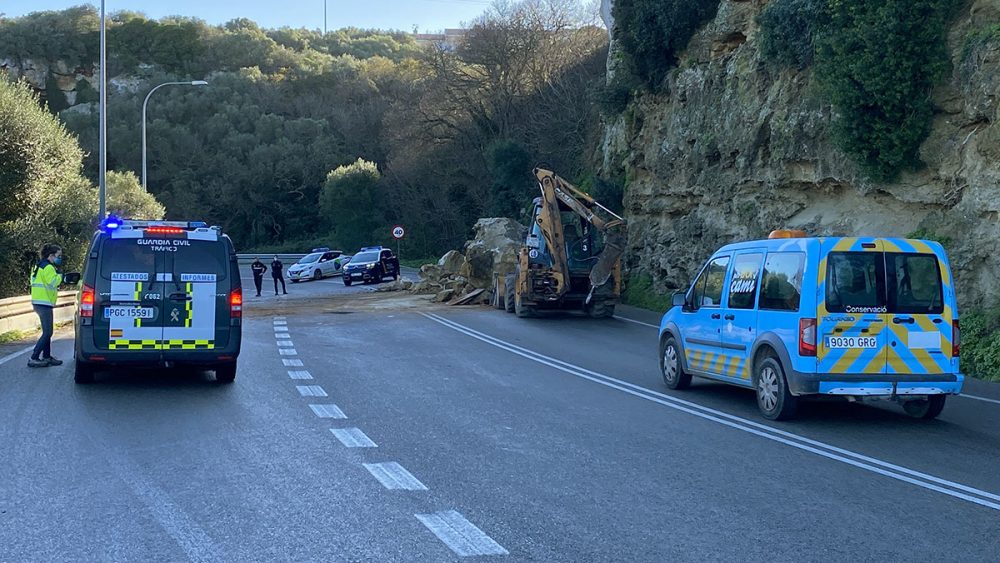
(159, 294)
(793, 316)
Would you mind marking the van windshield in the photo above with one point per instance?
(873, 282)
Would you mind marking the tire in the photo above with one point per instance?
(83, 373)
(317, 275)
(671, 367)
(601, 310)
(508, 300)
(226, 373)
(294, 281)
(521, 310)
(926, 409)
(771, 388)
(497, 298)
(347, 280)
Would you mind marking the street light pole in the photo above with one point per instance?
(103, 128)
(146, 101)
(324, 17)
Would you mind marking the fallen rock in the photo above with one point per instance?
(444, 295)
(451, 262)
(431, 272)
(398, 285)
(494, 248)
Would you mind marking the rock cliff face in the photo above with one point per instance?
(732, 149)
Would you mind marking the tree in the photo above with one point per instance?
(350, 203)
(43, 196)
(128, 199)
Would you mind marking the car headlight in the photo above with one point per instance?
(369, 266)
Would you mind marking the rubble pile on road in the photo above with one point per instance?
(465, 278)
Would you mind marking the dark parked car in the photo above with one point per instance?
(371, 265)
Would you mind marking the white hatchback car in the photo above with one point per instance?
(319, 264)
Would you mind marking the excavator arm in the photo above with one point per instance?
(556, 190)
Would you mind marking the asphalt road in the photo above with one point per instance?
(472, 433)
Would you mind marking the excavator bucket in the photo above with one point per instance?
(614, 247)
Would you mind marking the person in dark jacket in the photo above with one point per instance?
(45, 281)
(259, 269)
(276, 267)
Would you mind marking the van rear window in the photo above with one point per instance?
(855, 282)
(125, 256)
(893, 282)
(201, 257)
(914, 282)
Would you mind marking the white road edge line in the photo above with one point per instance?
(800, 442)
(628, 320)
(963, 395)
(394, 476)
(21, 352)
(460, 535)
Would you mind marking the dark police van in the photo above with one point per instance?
(159, 294)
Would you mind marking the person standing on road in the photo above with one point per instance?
(259, 269)
(45, 280)
(276, 267)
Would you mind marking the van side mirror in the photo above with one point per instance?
(71, 278)
(679, 299)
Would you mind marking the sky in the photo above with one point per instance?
(427, 15)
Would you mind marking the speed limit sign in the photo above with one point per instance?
(398, 232)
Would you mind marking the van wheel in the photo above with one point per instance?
(83, 373)
(927, 409)
(317, 275)
(671, 369)
(773, 398)
(508, 298)
(226, 373)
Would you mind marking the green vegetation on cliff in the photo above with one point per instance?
(877, 63)
(654, 32)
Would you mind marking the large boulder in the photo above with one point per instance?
(452, 262)
(494, 248)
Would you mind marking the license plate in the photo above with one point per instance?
(128, 312)
(848, 342)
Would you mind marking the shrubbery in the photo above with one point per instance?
(981, 344)
(654, 32)
(877, 63)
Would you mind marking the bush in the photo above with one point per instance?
(654, 32)
(878, 62)
(981, 344)
(787, 30)
(639, 292)
(349, 200)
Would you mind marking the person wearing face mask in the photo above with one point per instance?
(45, 281)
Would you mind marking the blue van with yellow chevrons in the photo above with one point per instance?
(794, 316)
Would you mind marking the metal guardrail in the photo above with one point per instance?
(16, 313)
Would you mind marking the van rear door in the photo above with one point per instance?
(920, 314)
(130, 287)
(197, 300)
(852, 312)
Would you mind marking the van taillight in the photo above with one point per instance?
(236, 303)
(87, 297)
(956, 338)
(807, 337)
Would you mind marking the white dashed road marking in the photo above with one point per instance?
(328, 411)
(288, 352)
(292, 363)
(285, 343)
(353, 438)
(300, 374)
(394, 476)
(281, 329)
(311, 390)
(462, 536)
(280, 323)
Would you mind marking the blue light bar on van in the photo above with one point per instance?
(110, 223)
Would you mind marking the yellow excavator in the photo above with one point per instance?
(571, 259)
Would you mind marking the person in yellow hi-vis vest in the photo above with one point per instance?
(45, 281)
